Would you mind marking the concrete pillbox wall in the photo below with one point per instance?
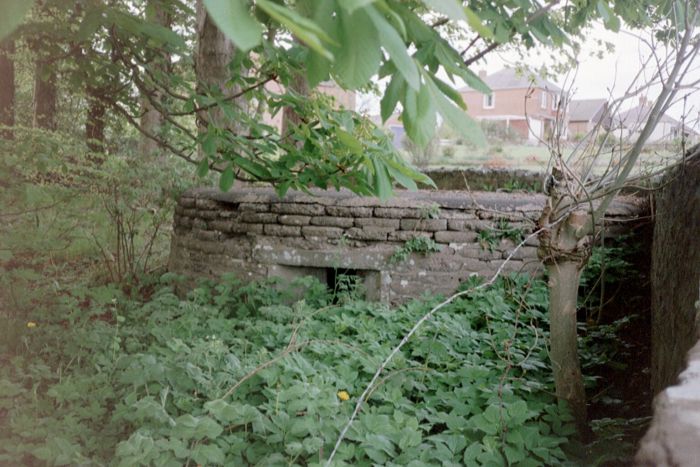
(254, 234)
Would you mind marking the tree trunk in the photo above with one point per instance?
(565, 247)
(568, 379)
(213, 55)
(7, 87)
(290, 118)
(95, 124)
(151, 118)
(44, 94)
(151, 121)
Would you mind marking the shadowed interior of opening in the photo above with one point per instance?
(342, 279)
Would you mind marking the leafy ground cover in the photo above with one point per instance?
(241, 375)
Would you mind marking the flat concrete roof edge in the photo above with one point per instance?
(623, 205)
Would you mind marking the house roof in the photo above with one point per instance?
(635, 117)
(586, 110)
(508, 78)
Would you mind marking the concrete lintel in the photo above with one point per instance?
(360, 259)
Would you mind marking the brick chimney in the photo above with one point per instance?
(482, 74)
(642, 101)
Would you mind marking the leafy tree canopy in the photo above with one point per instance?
(118, 52)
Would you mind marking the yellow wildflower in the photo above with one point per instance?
(343, 395)
(31, 324)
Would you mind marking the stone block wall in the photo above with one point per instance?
(254, 234)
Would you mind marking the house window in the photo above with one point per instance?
(555, 101)
(489, 101)
(543, 100)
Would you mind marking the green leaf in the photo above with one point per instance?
(519, 411)
(394, 17)
(450, 92)
(419, 115)
(317, 68)
(610, 19)
(188, 426)
(452, 8)
(513, 455)
(226, 178)
(556, 34)
(479, 421)
(538, 30)
(303, 28)
(474, 82)
(90, 23)
(257, 170)
(382, 184)
(282, 188)
(453, 64)
(13, 12)
(403, 179)
(493, 414)
(360, 55)
(392, 95)
(458, 119)
(613, 24)
(352, 5)
(392, 42)
(679, 14)
(234, 20)
(137, 26)
(472, 452)
(162, 35)
(352, 143)
(203, 167)
(9, 389)
(477, 25)
(604, 10)
(207, 454)
(401, 166)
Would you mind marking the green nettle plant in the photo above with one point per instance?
(491, 237)
(232, 376)
(418, 244)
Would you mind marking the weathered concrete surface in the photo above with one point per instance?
(255, 234)
(675, 273)
(674, 436)
(673, 439)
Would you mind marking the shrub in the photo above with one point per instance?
(422, 157)
(498, 132)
